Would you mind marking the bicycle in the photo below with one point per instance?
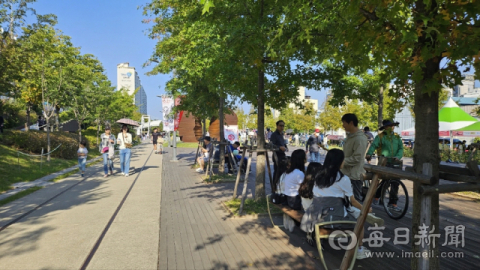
(386, 194)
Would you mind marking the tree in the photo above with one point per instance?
(213, 50)
(421, 43)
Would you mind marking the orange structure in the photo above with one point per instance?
(190, 128)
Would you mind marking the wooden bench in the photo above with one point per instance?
(320, 231)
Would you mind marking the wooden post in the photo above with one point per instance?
(347, 258)
(239, 172)
(244, 193)
(269, 173)
(425, 212)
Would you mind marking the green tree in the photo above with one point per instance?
(421, 43)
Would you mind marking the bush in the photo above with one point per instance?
(476, 140)
(407, 152)
(33, 141)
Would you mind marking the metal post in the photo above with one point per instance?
(174, 147)
(41, 160)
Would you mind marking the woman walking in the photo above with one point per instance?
(124, 140)
(107, 149)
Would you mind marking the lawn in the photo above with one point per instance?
(183, 145)
(16, 168)
(251, 207)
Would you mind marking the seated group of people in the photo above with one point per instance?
(207, 151)
(321, 190)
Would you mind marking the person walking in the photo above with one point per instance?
(279, 157)
(107, 148)
(154, 139)
(354, 148)
(313, 146)
(388, 144)
(124, 140)
(297, 139)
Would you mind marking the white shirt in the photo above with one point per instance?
(306, 203)
(341, 189)
(292, 182)
(121, 141)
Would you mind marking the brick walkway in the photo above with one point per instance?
(197, 233)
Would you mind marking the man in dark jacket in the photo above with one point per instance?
(313, 145)
(279, 158)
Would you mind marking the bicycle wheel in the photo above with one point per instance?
(395, 198)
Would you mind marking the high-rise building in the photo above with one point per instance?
(128, 79)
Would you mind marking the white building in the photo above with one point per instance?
(128, 79)
(302, 99)
(467, 89)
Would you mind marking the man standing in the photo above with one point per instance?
(354, 149)
(280, 165)
(313, 145)
(388, 144)
(369, 134)
(205, 154)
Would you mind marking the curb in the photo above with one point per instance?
(41, 182)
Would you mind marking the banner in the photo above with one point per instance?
(168, 119)
(231, 133)
(179, 115)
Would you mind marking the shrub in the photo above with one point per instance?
(33, 141)
(476, 140)
(407, 152)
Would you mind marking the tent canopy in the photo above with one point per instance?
(452, 117)
(473, 127)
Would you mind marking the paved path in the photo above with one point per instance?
(85, 222)
(197, 233)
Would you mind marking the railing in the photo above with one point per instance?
(425, 200)
(34, 156)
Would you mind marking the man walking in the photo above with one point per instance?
(280, 161)
(388, 144)
(154, 140)
(313, 145)
(354, 149)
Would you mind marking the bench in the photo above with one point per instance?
(320, 231)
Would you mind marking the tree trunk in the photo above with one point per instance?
(380, 107)
(261, 160)
(48, 138)
(57, 123)
(426, 142)
(29, 109)
(221, 167)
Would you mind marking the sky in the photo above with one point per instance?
(113, 31)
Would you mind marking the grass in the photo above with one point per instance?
(470, 194)
(19, 195)
(251, 207)
(219, 178)
(183, 145)
(14, 168)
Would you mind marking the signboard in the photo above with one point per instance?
(231, 133)
(179, 115)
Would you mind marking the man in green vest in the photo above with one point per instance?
(388, 144)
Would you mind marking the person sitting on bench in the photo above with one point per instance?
(306, 188)
(331, 192)
(295, 175)
(234, 149)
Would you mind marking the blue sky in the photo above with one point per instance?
(113, 31)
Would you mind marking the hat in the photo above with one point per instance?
(388, 123)
(317, 130)
(107, 128)
(207, 138)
